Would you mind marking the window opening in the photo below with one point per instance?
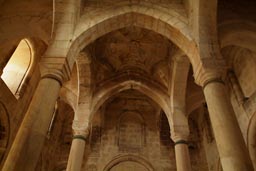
(16, 70)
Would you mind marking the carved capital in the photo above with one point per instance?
(210, 71)
(179, 133)
(51, 73)
(56, 68)
(80, 129)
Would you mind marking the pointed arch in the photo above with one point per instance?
(116, 85)
(173, 28)
(238, 33)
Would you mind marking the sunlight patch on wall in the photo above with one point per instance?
(17, 68)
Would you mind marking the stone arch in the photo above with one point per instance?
(251, 139)
(237, 40)
(180, 72)
(124, 158)
(69, 90)
(238, 33)
(244, 67)
(169, 26)
(116, 85)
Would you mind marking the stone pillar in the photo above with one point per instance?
(182, 155)
(29, 140)
(76, 154)
(181, 150)
(233, 153)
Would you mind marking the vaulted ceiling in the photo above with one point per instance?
(134, 50)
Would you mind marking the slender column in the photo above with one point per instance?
(76, 154)
(182, 156)
(29, 140)
(179, 134)
(231, 146)
(181, 151)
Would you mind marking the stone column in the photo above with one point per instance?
(182, 155)
(233, 153)
(181, 149)
(28, 143)
(76, 154)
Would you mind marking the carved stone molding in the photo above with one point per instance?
(179, 132)
(52, 73)
(56, 68)
(209, 69)
(205, 76)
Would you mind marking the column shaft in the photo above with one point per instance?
(231, 146)
(76, 155)
(182, 157)
(29, 140)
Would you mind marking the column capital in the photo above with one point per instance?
(80, 130)
(179, 128)
(55, 68)
(179, 133)
(206, 76)
(209, 70)
(52, 73)
(179, 137)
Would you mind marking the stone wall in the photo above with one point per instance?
(129, 126)
(16, 108)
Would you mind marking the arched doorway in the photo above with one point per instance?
(128, 166)
(128, 163)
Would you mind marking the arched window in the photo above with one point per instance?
(17, 68)
(131, 131)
